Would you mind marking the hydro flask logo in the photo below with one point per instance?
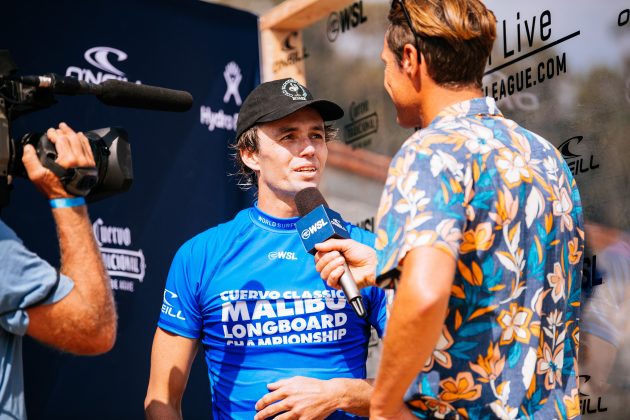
(232, 75)
(577, 163)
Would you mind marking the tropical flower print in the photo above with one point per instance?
(461, 388)
(556, 281)
(513, 168)
(502, 202)
(480, 238)
(550, 365)
(572, 404)
(440, 353)
(515, 323)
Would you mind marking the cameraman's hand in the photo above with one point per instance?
(73, 150)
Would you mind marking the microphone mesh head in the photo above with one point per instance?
(307, 199)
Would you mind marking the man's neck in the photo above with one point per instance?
(270, 203)
(436, 98)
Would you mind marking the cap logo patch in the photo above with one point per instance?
(294, 90)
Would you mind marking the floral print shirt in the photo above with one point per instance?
(504, 204)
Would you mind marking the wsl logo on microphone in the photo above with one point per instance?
(103, 58)
(306, 233)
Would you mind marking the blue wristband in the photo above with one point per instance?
(59, 203)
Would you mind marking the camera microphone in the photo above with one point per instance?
(114, 92)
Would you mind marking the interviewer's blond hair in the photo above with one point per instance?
(456, 38)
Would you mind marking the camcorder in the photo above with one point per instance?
(110, 146)
(20, 95)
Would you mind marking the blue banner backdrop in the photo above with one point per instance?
(181, 166)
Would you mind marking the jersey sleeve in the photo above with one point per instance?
(180, 312)
(25, 280)
(423, 204)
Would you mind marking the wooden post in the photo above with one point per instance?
(281, 47)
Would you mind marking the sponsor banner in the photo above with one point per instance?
(180, 162)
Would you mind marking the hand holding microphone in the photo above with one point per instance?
(320, 224)
(336, 255)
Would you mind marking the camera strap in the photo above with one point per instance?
(77, 181)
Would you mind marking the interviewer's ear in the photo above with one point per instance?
(410, 62)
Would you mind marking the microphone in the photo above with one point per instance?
(114, 92)
(133, 95)
(319, 223)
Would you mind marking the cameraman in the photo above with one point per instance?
(71, 309)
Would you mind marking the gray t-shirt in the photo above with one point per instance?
(25, 280)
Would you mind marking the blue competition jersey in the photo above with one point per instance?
(250, 291)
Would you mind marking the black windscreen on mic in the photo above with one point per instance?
(120, 93)
(307, 199)
(319, 223)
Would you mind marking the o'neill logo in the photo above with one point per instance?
(282, 255)
(291, 54)
(220, 119)
(167, 305)
(576, 162)
(100, 57)
(306, 233)
(123, 265)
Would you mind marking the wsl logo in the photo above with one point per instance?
(282, 255)
(101, 58)
(344, 20)
(123, 265)
(306, 233)
(168, 308)
(578, 163)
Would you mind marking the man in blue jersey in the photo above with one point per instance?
(277, 340)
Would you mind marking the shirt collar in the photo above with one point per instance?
(269, 222)
(469, 108)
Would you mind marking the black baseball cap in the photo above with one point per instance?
(271, 101)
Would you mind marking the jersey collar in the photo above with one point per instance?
(269, 222)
